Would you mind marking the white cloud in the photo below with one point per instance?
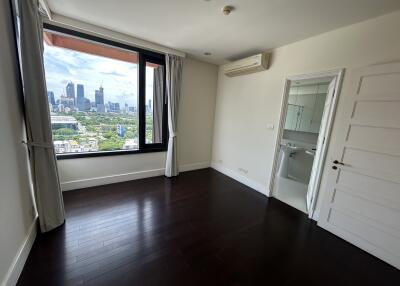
(118, 78)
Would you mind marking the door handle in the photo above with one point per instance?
(338, 163)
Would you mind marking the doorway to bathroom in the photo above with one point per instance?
(307, 115)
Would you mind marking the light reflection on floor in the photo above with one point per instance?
(291, 192)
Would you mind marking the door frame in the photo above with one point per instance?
(339, 74)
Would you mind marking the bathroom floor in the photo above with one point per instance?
(291, 192)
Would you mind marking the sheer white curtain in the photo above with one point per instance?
(48, 197)
(173, 66)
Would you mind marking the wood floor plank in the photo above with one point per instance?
(201, 228)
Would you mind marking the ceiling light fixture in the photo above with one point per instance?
(227, 9)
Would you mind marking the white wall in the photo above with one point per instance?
(196, 114)
(195, 130)
(16, 208)
(246, 104)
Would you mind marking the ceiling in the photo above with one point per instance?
(199, 26)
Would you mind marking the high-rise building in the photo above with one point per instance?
(67, 102)
(70, 90)
(99, 95)
(114, 107)
(80, 97)
(101, 108)
(117, 107)
(50, 96)
(86, 104)
(99, 99)
(121, 130)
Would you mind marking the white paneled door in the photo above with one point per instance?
(362, 204)
(321, 146)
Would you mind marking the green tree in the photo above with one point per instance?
(129, 134)
(109, 145)
(64, 131)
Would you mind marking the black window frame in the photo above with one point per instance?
(144, 56)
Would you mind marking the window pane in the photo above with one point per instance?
(154, 102)
(93, 95)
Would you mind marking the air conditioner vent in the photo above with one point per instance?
(248, 65)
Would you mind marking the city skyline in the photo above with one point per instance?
(79, 102)
(118, 78)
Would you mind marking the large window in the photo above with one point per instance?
(105, 98)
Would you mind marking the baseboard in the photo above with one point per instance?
(104, 180)
(240, 178)
(195, 166)
(19, 260)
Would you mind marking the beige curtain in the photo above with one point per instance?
(173, 66)
(49, 201)
(158, 92)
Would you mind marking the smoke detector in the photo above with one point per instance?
(227, 9)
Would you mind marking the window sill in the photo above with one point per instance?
(107, 153)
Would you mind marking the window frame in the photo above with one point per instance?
(144, 56)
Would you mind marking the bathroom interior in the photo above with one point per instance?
(298, 145)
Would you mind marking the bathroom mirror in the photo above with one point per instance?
(305, 107)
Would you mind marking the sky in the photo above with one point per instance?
(118, 78)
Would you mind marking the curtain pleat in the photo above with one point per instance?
(47, 190)
(158, 104)
(173, 85)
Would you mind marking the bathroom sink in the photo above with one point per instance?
(296, 148)
(292, 147)
(310, 152)
(285, 153)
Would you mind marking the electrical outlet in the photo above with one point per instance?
(220, 161)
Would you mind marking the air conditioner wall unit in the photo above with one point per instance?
(248, 65)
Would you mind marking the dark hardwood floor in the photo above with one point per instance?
(201, 228)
